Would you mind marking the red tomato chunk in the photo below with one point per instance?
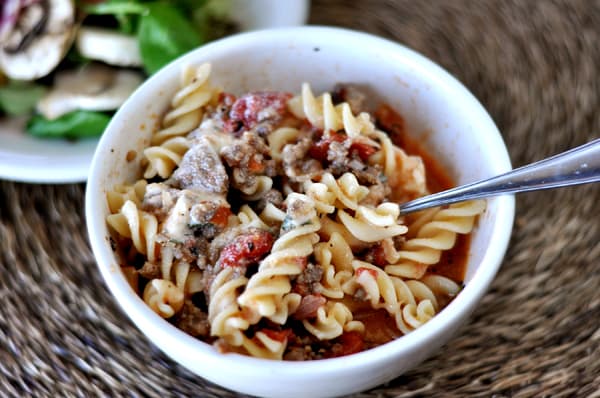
(220, 217)
(362, 149)
(372, 272)
(320, 148)
(278, 335)
(251, 109)
(246, 249)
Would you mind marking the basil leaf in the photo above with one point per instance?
(76, 124)
(20, 98)
(164, 34)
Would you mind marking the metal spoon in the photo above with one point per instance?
(576, 166)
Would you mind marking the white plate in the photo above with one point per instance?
(29, 159)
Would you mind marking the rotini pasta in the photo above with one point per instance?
(279, 138)
(139, 226)
(187, 104)
(224, 314)
(122, 193)
(434, 237)
(249, 219)
(321, 113)
(267, 225)
(163, 297)
(346, 189)
(406, 174)
(335, 258)
(257, 189)
(411, 302)
(162, 159)
(266, 289)
(331, 321)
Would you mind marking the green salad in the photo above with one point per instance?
(68, 65)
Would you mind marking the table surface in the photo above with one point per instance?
(533, 65)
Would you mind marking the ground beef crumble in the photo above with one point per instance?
(193, 320)
(308, 282)
(201, 170)
(247, 158)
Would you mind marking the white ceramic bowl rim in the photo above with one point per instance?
(146, 319)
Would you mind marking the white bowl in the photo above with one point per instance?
(438, 110)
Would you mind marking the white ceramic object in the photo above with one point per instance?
(41, 160)
(437, 109)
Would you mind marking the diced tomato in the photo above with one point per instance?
(246, 249)
(363, 150)
(320, 148)
(278, 335)
(221, 216)
(255, 166)
(360, 270)
(352, 342)
(250, 109)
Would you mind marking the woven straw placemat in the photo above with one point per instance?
(533, 64)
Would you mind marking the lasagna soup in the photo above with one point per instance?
(266, 223)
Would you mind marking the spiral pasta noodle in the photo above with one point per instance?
(323, 114)
(264, 294)
(346, 189)
(181, 272)
(163, 297)
(335, 258)
(333, 320)
(364, 230)
(261, 185)
(162, 159)
(411, 303)
(406, 174)
(432, 238)
(224, 314)
(249, 219)
(187, 104)
(228, 321)
(117, 197)
(137, 225)
(279, 138)
(323, 197)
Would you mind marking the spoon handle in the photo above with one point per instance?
(580, 165)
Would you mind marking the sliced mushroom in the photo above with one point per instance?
(9, 13)
(109, 46)
(94, 87)
(39, 39)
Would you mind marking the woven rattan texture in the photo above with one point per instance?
(533, 64)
